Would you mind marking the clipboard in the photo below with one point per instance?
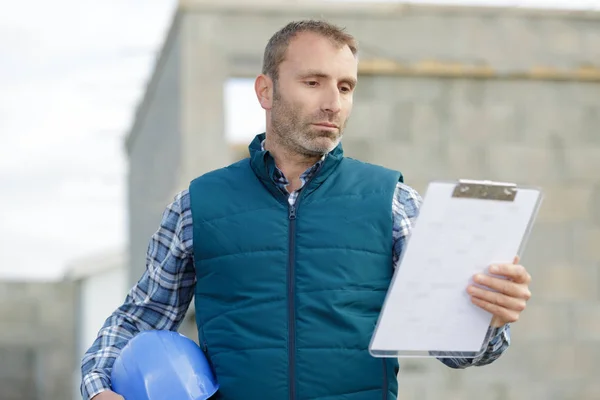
(463, 227)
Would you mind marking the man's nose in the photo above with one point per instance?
(332, 102)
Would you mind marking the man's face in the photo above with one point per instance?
(312, 97)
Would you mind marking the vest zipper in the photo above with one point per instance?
(291, 301)
(385, 381)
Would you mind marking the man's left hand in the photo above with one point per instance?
(510, 293)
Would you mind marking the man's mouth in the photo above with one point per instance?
(327, 125)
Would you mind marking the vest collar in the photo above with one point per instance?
(263, 165)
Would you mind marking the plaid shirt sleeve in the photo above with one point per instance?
(405, 208)
(158, 301)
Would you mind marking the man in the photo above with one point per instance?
(289, 253)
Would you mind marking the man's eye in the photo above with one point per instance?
(345, 89)
(311, 83)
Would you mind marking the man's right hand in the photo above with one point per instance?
(108, 395)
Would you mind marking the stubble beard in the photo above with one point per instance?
(298, 136)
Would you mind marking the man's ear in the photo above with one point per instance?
(263, 86)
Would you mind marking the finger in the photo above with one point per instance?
(506, 287)
(516, 260)
(502, 300)
(504, 314)
(514, 272)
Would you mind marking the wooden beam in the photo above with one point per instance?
(439, 69)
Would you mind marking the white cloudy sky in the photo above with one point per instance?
(71, 73)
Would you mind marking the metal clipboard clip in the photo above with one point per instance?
(485, 190)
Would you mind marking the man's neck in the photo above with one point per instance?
(291, 164)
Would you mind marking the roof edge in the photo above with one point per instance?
(383, 9)
(95, 263)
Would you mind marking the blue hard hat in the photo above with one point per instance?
(158, 365)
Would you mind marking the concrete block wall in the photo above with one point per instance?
(37, 340)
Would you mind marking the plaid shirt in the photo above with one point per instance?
(162, 296)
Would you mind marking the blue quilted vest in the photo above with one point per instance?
(287, 297)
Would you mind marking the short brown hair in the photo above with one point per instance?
(279, 42)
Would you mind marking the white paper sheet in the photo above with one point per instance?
(427, 307)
